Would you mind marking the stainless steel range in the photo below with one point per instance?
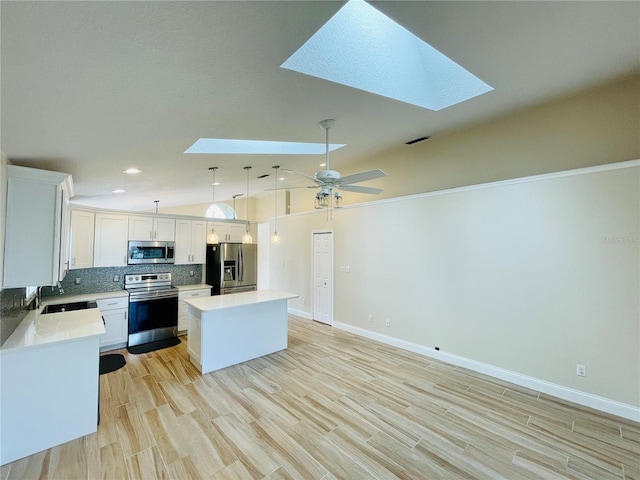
(153, 307)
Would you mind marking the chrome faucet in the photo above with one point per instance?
(60, 289)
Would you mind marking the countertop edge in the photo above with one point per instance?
(233, 300)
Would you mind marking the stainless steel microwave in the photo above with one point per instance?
(150, 252)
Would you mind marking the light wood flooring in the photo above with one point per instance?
(333, 405)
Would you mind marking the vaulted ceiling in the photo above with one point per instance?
(92, 88)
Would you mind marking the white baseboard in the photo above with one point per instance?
(586, 399)
(300, 313)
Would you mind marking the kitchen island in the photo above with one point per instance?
(49, 381)
(224, 330)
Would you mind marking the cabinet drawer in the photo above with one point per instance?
(105, 304)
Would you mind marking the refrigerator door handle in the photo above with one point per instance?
(241, 264)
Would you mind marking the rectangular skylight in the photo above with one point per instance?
(362, 48)
(258, 147)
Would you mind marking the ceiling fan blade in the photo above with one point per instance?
(359, 189)
(289, 188)
(363, 176)
(313, 179)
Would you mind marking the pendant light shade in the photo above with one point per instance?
(275, 238)
(212, 238)
(247, 238)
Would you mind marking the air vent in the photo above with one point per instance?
(421, 139)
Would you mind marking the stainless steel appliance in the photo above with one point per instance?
(150, 252)
(153, 307)
(232, 268)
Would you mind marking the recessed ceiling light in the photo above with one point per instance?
(362, 48)
(323, 164)
(216, 183)
(132, 170)
(119, 190)
(258, 147)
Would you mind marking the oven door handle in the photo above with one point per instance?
(141, 297)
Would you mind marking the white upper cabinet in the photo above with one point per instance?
(81, 239)
(228, 232)
(110, 247)
(190, 242)
(153, 229)
(36, 216)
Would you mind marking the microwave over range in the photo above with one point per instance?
(150, 252)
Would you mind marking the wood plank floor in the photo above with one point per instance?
(333, 405)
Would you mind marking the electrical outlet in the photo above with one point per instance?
(581, 370)
(387, 323)
(370, 318)
(116, 278)
(191, 273)
(347, 268)
(342, 268)
(77, 281)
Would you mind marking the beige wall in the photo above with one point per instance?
(532, 277)
(594, 127)
(3, 208)
(518, 276)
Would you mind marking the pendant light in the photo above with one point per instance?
(212, 238)
(275, 238)
(247, 238)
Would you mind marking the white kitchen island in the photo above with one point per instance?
(49, 381)
(224, 330)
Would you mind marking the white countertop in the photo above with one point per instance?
(218, 302)
(198, 286)
(39, 329)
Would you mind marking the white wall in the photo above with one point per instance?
(3, 208)
(528, 276)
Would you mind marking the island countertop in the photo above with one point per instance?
(219, 302)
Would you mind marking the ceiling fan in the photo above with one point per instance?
(328, 180)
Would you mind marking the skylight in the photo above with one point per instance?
(258, 147)
(362, 48)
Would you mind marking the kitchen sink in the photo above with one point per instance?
(66, 307)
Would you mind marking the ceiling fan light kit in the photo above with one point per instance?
(330, 181)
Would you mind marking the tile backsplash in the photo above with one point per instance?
(94, 280)
(12, 310)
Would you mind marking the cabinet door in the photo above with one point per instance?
(164, 229)
(141, 228)
(32, 235)
(115, 324)
(110, 247)
(182, 251)
(236, 231)
(81, 239)
(198, 242)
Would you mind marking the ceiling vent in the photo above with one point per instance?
(421, 139)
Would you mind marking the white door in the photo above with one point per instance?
(323, 277)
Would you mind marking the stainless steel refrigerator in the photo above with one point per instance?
(232, 268)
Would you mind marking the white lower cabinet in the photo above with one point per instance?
(115, 313)
(182, 307)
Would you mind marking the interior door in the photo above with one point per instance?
(323, 277)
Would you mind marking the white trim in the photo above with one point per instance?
(479, 186)
(582, 398)
(300, 313)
